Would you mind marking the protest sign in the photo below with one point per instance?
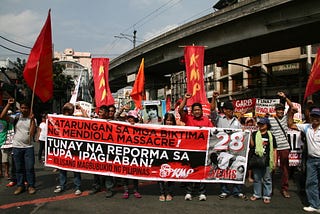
(295, 142)
(265, 107)
(140, 151)
(228, 155)
(244, 106)
(85, 105)
(152, 111)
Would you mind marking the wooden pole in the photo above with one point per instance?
(34, 87)
(32, 99)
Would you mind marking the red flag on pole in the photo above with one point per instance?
(38, 70)
(194, 61)
(313, 84)
(138, 92)
(100, 72)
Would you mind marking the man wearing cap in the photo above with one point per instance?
(228, 120)
(312, 132)
(279, 128)
(196, 118)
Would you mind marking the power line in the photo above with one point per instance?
(13, 50)
(201, 12)
(113, 44)
(159, 11)
(146, 21)
(15, 42)
(150, 14)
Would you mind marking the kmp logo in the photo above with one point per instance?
(166, 171)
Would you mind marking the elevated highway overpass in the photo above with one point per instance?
(248, 28)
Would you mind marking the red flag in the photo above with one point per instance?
(313, 84)
(138, 93)
(100, 72)
(38, 70)
(194, 61)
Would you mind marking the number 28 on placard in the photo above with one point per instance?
(230, 142)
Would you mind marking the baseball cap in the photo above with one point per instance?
(133, 114)
(227, 105)
(315, 112)
(264, 120)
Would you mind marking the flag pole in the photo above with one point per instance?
(32, 100)
(34, 86)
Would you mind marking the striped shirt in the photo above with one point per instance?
(282, 141)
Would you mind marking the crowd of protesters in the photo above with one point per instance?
(19, 133)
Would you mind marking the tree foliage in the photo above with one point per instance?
(62, 84)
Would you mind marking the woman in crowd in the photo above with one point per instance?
(166, 187)
(132, 118)
(264, 145)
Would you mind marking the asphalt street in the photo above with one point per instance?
(46, 201)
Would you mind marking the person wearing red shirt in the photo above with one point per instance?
(196, 118)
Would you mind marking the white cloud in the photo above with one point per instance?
(23, 27)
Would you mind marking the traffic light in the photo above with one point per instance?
(222, 63)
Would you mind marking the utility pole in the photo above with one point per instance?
(128, 37)
(134, 38)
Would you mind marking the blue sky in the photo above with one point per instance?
(90, 26)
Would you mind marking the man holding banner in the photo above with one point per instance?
(195, 119)
(100, 180)
(228, 120)
(68, 110)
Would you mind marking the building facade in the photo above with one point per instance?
(259, 76)
(75, 64)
